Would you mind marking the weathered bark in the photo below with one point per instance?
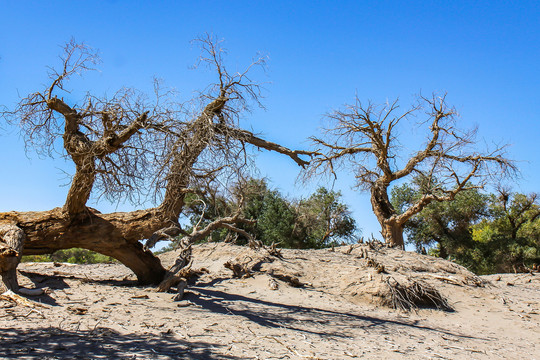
(116, 235)
(81, 187)
(393, 234)
(80, 149)
(380, 202)
(200, 133)
(12, 240)
(84, 152)
(181, 269)
(391, 224)
(250, 138)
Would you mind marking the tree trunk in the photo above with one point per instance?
(443, 253)
(116, 235)
(12, 241)
(141, 261)
(392, 232)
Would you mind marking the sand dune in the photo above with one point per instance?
(309, 304)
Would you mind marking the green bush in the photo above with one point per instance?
(319, 221)
(73, 256)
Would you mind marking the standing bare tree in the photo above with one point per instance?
(365, 139)
(134, 147)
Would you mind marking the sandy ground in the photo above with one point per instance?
(98, 311)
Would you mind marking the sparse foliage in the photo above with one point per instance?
(137, 147)
(366, 140)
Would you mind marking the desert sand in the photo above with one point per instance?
(309, 304)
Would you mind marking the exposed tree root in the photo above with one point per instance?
(239, 270)
(415, 295)
(289, 279)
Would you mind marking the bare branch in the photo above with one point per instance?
(363, 139)
(246, 136)
(138, 147)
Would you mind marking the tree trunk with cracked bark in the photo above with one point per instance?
(12, 240)
(116, 235)
(391, 226)
(393, 234)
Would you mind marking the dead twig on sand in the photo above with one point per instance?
(239, 270)
(19, 300)
(293, 351)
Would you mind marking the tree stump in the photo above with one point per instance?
(11, 244)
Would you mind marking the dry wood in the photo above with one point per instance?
(134, 147)
(273, 250)
(288, 278)
(447, 279)
(19, 300)
(12, 239)
(415, 294)
(239, 270)
(182, 284)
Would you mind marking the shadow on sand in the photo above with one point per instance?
(300, 318)
(54, 343)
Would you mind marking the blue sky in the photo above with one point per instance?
(485, 54)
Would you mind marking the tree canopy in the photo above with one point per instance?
(318, 221)
(488, 233)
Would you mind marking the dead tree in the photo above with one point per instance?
(364, 140)
(129, 147)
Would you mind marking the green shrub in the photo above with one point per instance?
(73, 256)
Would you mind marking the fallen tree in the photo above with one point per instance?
(135, 148)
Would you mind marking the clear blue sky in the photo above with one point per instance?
(485, 54)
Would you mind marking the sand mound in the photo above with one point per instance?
(363, 273)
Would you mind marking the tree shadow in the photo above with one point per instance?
(47, 343)
(300, 318)
(214, 281)
(57, 281)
